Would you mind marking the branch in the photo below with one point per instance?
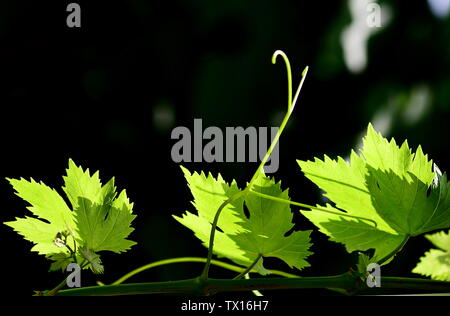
(199, 260)
(347, 282)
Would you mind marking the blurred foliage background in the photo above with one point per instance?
(109, 93)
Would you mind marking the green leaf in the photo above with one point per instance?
(243, 239)
(355, 234)
(94, 260)
(224, 245)
(268, 225)
(209, 193)
(386, 184)
(103, 221)
(436, 262)
(385, 156)
(53, 215)
(99, 220)
(361, 266)
(60, 261)
(440, 240)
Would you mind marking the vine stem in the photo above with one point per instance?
(290, 108)
(218, 263)
(347, 282)
(63, 283)
(234, 197)
(395, 251)
(249, 268)
(60, 286)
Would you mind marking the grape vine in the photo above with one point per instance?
(380, 197)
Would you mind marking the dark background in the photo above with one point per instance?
(109, 93)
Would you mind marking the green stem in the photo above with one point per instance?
(346, 281)
(63, 282)
(288, 72)
(269, 197)
(249, 268)
(174, 287)
(75, 249)
(395, 251)
(57, 288)
(234, 197)
(291, 105)
(162, 263)
(199, 260)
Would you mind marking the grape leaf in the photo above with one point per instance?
(361, 265)
(51, 211)
(93, 259)
(103, 219)
(267, 230)
(243, 239)
(99, 220)
(60, 261)
(436, 262)
(209, 193)
(388, 190)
